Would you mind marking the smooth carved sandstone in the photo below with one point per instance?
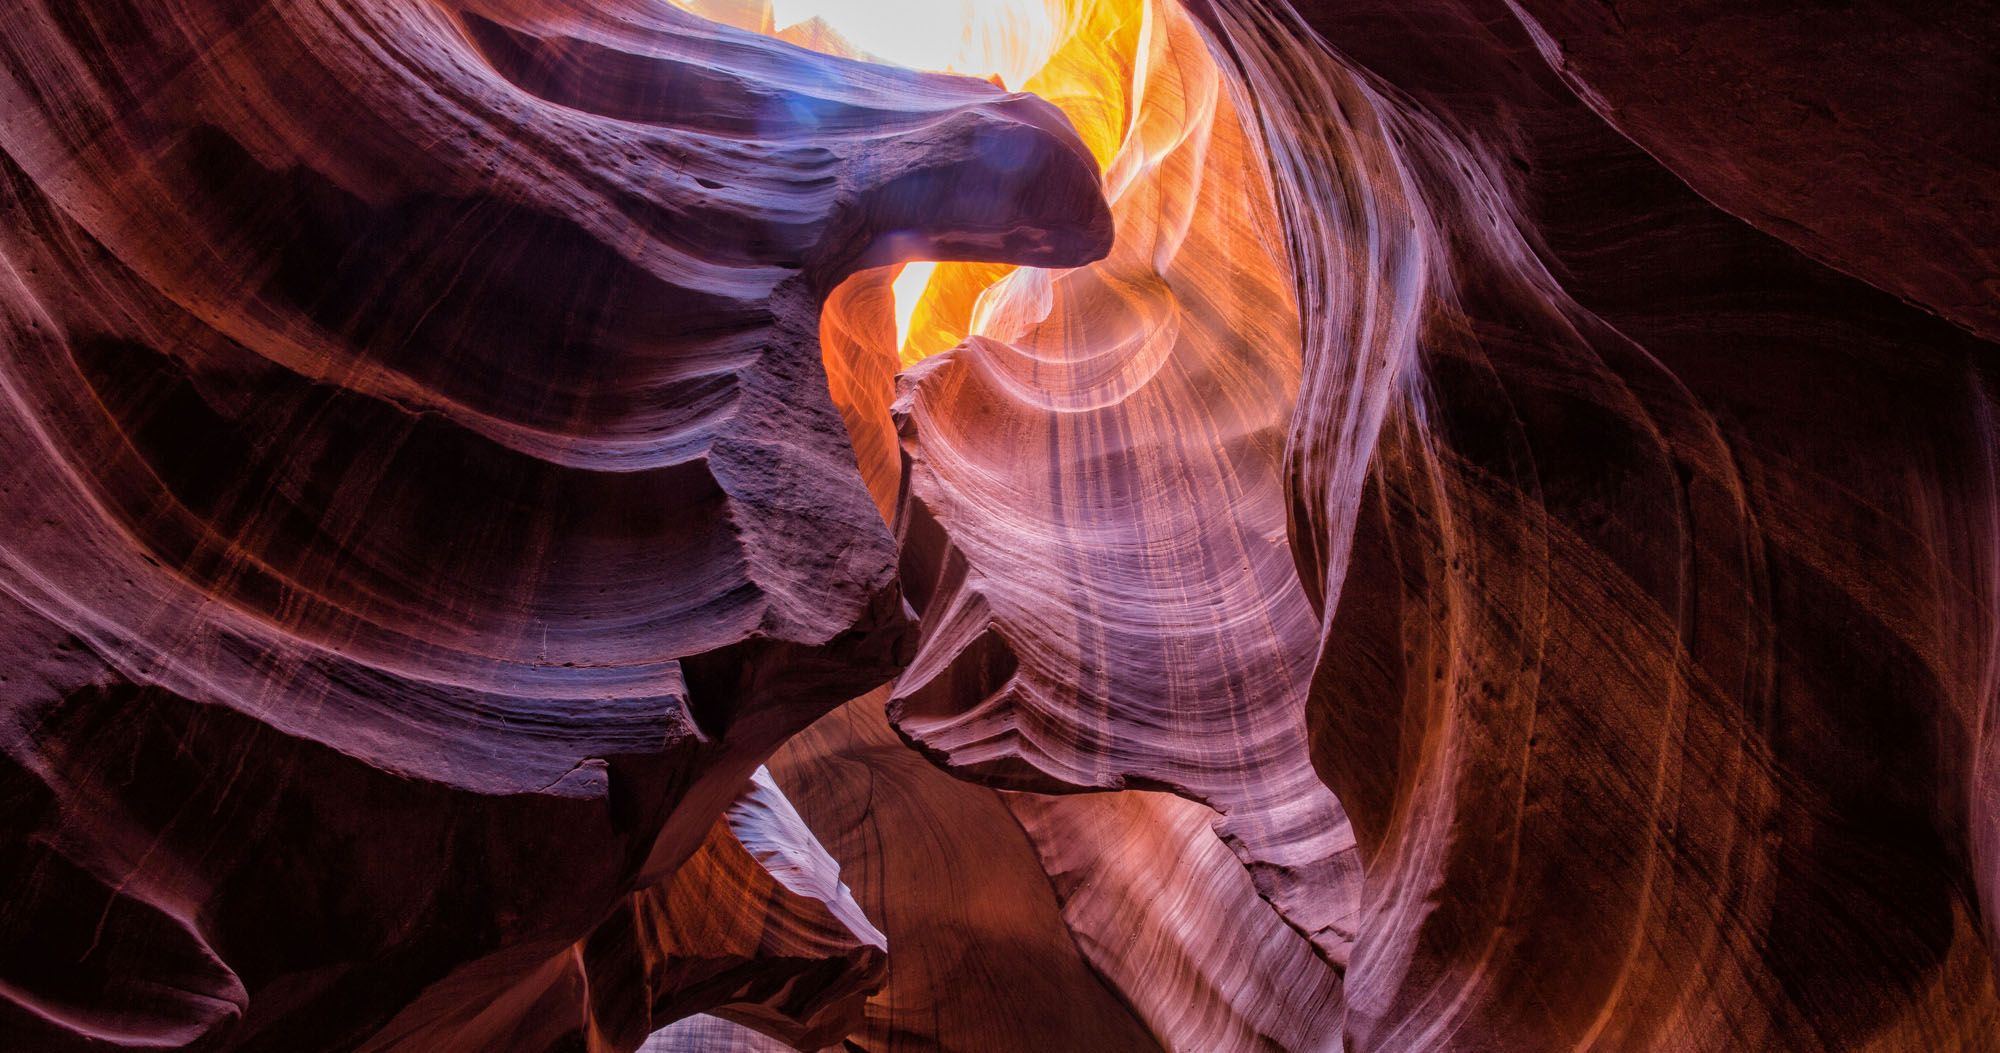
(981, 955)
(424, 507)
(1778, 114)
(1093, 514)
(1085, 480)
(1113, 921)
(1655, 564)
(1390, 525)
(755, 926)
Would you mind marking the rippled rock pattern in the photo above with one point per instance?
(1656, 560)
(424, 508)
(1393, 526)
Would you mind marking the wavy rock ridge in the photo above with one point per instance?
(1434, 525)
(1655, 571)
(405, 554)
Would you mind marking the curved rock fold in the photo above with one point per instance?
(609, 525)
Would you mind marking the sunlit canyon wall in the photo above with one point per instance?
(590, 525)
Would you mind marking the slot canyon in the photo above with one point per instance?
(889, 526)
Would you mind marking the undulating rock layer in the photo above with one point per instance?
(1656, 560)
(1392, 525)
(424, 508)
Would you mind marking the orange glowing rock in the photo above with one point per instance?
(1110, 438)
(1092, 522)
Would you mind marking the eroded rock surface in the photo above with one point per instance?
(424, 507)
(1396, 526)
(1655, 557)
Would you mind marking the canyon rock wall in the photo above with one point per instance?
(1395, 526)
(1656, 559)
(1861, 133)
(424, 508)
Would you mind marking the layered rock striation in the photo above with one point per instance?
(1654, 555)
(1434, 525)
(424, 507)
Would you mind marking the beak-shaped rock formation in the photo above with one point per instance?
(1391, 526)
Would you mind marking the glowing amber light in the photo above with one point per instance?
(1137, 83)
(1081, 55)
(1090, 77)
(1189, 324)
(909, 291)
